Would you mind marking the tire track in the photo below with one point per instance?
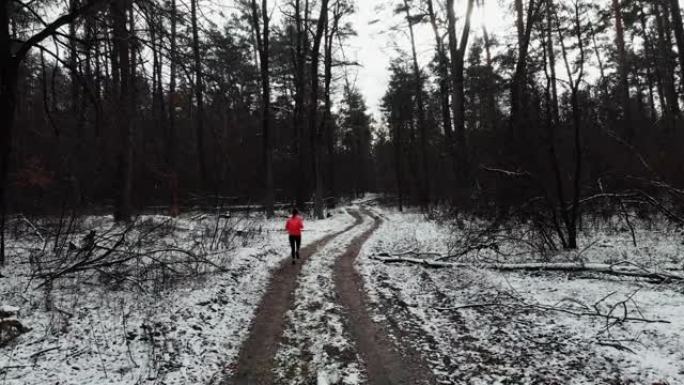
(385, 362)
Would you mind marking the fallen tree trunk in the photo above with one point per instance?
(627, 269)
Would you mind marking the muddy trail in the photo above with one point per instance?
(385, 363)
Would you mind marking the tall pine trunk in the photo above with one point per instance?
(313, 112)
(667, 66)
(299, 100)
(623, 83)
(262, 40)
(327, 125)
(8, 92)
(171, 146)
(457, 52)
(443, 71)
(679, 33)
(122, 52)
(424, 178)
(199, 97)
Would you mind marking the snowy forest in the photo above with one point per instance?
(491, 192)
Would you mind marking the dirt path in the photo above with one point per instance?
(255, 361)
(386, 363)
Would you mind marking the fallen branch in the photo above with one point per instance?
(541, 307)
(618, 269)
(414, 253)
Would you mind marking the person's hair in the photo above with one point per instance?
(294, 212)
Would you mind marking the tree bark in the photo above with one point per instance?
(299, 100)
(171, 146)
(313, 112)
(122, 49)
(199, 97)
(327, 125)
(552, 120)
(420, 111)
(555, 110)
(490, 91)
(623, 84)
(679, 32)
(457, 53)
(519, 83)
(8, 91)
(443, 71)
(665, 48)
(267, 148)
(571, 215)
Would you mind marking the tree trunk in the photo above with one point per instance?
(679, 32)
(571, 216)
(262, 39)
(266, 117)
(313, 112)
(443, 71)
(171, 147)
(519, 83)
(552, 120)
(568, 267)
(73, 62)
(420, 110)
(121, 39)
(326, 123)
(666, 64)
(457, 53)
(299, 100)
(199, 97)
(555, 110)
(8, 92)
(398, 162)
(651, 52)
(490, 91)
(623, 84)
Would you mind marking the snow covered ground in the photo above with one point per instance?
(155, 320)
(317, 347)
(93, 328)
(485, 327)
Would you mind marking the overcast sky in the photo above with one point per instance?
(381, 34)
(376, 44)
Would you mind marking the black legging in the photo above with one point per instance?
(295, 243)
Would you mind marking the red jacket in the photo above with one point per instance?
(294, 226)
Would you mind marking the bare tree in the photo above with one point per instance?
(171, 144)
(262, 42)
(299, 63)
(570, 210)
(316, 135)
(199, 95)
(457, 52)
(666, 64)
(519, 83)
(678, 31)
(443, 70)
(419, 109)
(623, 85)
(11, 56)
(122, 49)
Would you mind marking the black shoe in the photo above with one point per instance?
(293, 261)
